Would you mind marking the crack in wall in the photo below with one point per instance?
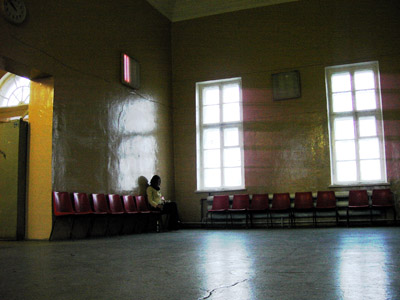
(210, 293)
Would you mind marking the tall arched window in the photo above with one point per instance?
(14, 90)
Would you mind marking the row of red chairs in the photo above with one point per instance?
(76, 204)
(382, 199)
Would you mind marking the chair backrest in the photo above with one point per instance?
(326, 199)
(241, 201)
(100, 203)
(220, 202)
(281, 201)
(303, 200)
(382, 197)
(259, 202)
(129, 203)
(141, 203)
(62, 203)
(358, 198)
(115, 203)
(82, 203)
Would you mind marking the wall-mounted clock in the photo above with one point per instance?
(13, 11)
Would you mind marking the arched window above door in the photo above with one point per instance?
(14, 90)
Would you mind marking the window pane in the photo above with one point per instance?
(370, 170)
(212, 178)
(344, 128)
(211, 95)
(364, 80)
(345, 150)
(231, 137)
(212, 158)
(25, 95)
(367, 126)
(13, 101)
(232, 157)
(231, 93)
(365, 100)
(341, 82)
(210, 114)
(231, 112)
(211, 139)
(369, 148)
(346, 171)
(342, 102)
(233, 176)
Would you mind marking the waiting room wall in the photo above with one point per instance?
(106, 137)
(286, 143)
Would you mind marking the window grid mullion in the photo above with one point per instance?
(356, 126)
(221, 134)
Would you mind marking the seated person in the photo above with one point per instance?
(157, 202)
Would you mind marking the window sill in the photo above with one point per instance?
(355, 185)
(220, 190)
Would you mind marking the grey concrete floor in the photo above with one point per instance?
(322, 263)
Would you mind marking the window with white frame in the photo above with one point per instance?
(355, 124)
(14, 90)
(219, 135)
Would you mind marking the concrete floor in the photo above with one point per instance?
(322, 263)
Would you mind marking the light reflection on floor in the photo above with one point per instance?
(226, 265)
(362, 268)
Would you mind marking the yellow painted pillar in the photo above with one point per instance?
(38, 209)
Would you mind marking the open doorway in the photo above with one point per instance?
(31, 100)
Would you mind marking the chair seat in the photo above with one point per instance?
(279, 209)
(84, 213)
(237, 209)
(358, 206)
(305, 209)
(382, 205)
(257, 210)
(100, 212)
(217, 210)
(58, 213)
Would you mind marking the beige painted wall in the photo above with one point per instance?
(105, 135)
(286, 142)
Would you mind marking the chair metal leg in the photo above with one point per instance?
(337, 217)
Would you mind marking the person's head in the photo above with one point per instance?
(155, 181)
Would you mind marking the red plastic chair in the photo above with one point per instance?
(326, 201)
(130, 204)
(143, 207)
(82, 204)
(82, 207)
(358, 200)
(303, 203)
(259, 205)
(62, 207)
(281, 205)
(131, 209)
(116, 208)
(240, 204)
(100, 208)
(220, 205)
(382, 199)
(115, 204)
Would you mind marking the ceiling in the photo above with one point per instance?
(179, 10)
